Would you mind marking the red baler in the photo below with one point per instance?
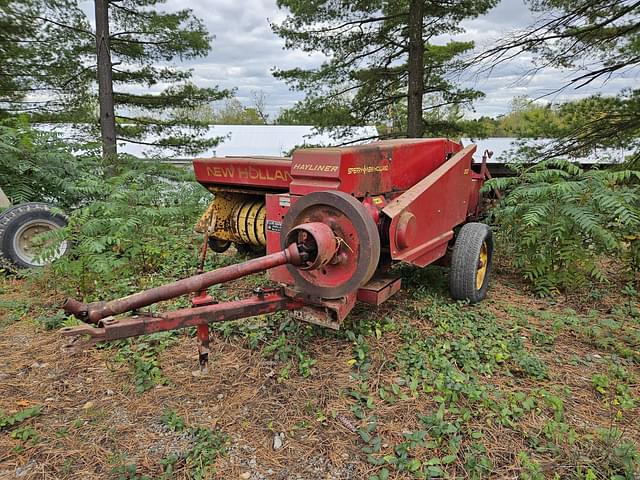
(333, 221)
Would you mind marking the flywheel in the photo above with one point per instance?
(358, 250)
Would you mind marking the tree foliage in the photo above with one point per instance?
(231, 112)
(42, 44)
(369, 70)
(557, 220)
(37, 167)
(144, 42)
(137, 226)
(599, 40)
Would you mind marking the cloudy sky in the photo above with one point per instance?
(245, 52)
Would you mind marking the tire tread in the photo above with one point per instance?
(464, 261)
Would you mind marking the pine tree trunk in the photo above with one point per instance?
(415, 126)
(105, 83)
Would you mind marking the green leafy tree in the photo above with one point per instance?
(233, 112)
(530, 119)
(602, 122)
(557, 220)
(599, 40)
(381, 60)
(37, 167)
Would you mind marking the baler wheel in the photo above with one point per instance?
(358, 251)
(471, 263)
(219, 246)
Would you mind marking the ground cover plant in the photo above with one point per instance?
(421, 387)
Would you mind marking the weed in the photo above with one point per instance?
(17, 309)
(206, 446)
(128, 472)
(17, 418)
(173, 421)
(24, 434)
(531, 365)
(530, 468)
(556, 220)
(289, 345)
(142, 354)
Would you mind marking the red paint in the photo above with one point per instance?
(272, 174)
(372, 169)
(96, 311)
(438, 203)
(269, 302)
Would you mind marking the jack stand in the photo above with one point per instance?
(201, 299)
(203, 348)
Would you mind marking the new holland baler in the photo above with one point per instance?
(333, 222)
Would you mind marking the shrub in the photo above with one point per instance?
(38, 166)
(138, 228)
(557, 220)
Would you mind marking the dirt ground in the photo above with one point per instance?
(93, 424)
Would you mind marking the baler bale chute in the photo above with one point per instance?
(333, 222)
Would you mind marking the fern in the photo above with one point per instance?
(38, 166)
(557, 220)
(125, 238)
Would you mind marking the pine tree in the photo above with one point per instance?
(131, 52)
(141, 42)
(598, 40)
(41, 42)
(381, 60)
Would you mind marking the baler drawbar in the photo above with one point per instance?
(333, 221)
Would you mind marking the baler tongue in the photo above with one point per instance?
(94, 312)
(310, 246)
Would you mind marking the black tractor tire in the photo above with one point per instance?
(22, 220)
(466, 281)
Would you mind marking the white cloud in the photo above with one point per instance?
(245, 52)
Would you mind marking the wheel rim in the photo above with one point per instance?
(483, 261)
(26, 248)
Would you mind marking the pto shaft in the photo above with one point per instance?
(96, 311)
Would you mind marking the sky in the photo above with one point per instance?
(246, 51)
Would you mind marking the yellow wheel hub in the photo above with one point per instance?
(482, 265)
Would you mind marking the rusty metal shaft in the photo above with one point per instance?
(96, 311)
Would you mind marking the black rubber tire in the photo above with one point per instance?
(218, 246)
(464, 262)
(13, 219)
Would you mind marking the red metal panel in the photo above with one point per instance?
(277, 206)
(270, 173)
(379, 289)
(423, 218)
(374, 168)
